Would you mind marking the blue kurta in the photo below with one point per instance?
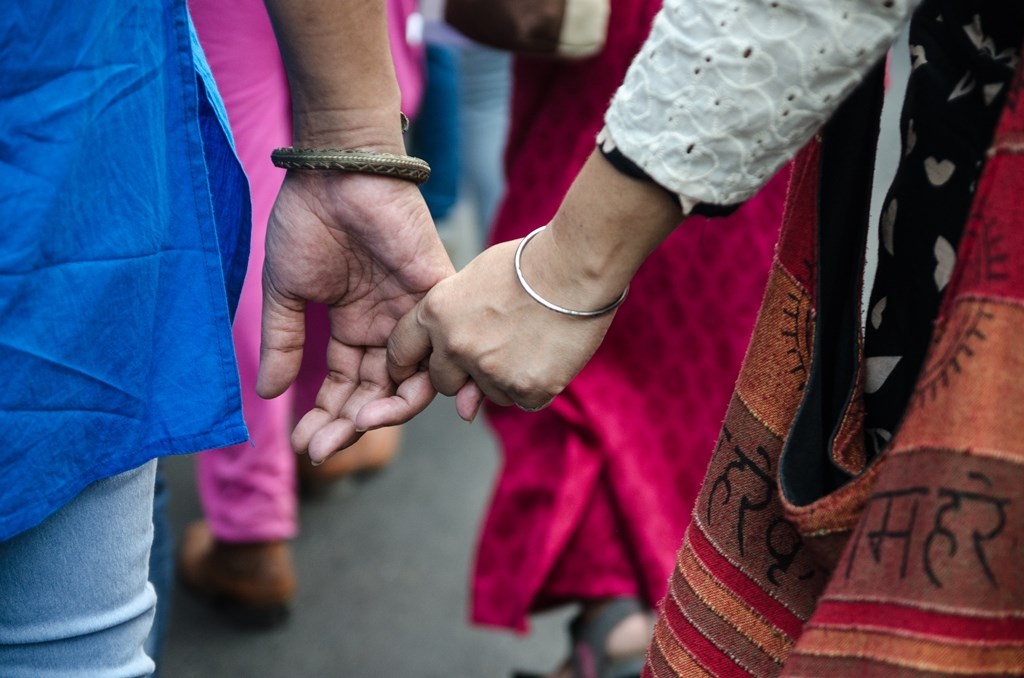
(123, 245)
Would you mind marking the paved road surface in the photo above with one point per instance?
(383, 576)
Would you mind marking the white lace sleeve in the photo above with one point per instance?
(724, 92)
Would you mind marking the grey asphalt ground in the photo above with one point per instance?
(383, 576)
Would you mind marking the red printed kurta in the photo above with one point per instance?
(595, 492)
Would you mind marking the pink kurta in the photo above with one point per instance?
(595, 492)
(248, 491)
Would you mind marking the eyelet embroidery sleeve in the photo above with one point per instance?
(724, 92)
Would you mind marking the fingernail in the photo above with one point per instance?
(316, 462)
(360, 430)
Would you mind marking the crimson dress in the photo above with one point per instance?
(595, 492)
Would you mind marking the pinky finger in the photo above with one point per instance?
(468, 401)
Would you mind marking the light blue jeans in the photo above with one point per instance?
(485, 81)
(161, 568)
(75, 599)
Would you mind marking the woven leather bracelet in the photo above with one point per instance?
(361, 162)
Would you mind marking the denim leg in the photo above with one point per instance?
(485, 80)
(161, 567)
(75, 597)
(435, 135)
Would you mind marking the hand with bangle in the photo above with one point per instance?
(524, 317)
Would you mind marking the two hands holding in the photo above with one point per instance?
(405, 326)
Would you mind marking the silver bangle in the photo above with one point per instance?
(555, 307)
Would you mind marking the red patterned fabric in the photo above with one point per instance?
(594, 491)
(913, 567)
(930, 579)
(742, 587)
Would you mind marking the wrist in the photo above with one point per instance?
(344, 92)
(547, 303)
(604, 230)
(566, 279)
(376, 129)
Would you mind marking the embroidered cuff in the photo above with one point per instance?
(626, 166)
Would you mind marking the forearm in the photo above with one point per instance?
(723, 93)
(342, 80)
(606, 226)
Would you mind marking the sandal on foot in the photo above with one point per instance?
(588, 653)
(590, 639)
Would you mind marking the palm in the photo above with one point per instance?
(365, 247)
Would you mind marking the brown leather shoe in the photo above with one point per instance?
(372, 452)
(251, 583)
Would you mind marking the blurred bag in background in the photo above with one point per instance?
(572, 29)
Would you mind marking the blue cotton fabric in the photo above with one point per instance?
(123, 244)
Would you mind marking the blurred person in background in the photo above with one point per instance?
(594, 492)
(485, 77)
(464, 122)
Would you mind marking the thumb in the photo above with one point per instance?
(408, 346)
(282, 336)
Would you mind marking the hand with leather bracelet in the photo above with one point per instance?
(349, 229)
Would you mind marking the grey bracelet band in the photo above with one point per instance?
(361, 162)
(555, 307)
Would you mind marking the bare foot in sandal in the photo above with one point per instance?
(609, 639)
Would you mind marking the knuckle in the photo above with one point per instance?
(431, 308)
(539, 399)
(490, 366)
(535, 393)
(524, 388)
(457, 346)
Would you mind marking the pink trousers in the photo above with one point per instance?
(248, 491)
